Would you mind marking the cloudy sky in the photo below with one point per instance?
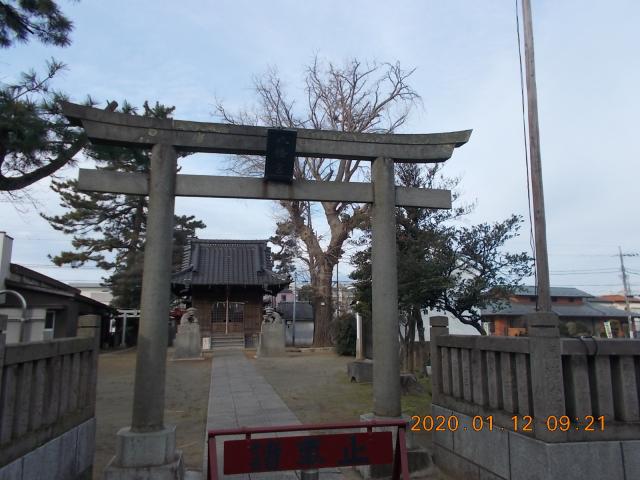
(465, 53)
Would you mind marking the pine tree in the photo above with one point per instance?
(36, 140)
(21, 20)
(109, 229)
(289, 249)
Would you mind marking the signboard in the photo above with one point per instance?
(307, 452)
(607, 329)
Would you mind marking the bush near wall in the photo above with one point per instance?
(344, 334)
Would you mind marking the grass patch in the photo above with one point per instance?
(419, 403)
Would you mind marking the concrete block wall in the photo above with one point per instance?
(502, 454)
(66, 457)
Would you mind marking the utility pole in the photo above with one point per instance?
(337, 289)
(293, 333)
(625, 284)
(537, 191)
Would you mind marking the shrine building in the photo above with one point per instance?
(226, 281)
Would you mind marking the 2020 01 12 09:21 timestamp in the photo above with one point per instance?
(524, 423)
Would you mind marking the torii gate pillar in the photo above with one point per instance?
(384, 278)
(147, 449)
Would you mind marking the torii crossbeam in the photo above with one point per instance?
(167, 137)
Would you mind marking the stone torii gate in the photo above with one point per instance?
(147, 447)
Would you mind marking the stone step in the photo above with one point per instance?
(228, 344)
(227, 341)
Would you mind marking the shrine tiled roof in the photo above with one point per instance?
(227, 262)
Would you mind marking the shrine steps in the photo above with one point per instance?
(227, 341)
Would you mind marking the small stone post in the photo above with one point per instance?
(89, 327)
(3, 339)
(546, 373)
(359, 349)
(384, 278)
(147, 449)
(123, 342)
(439, 326)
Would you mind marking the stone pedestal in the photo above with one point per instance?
(146, 456)
(418, 458)
(272, 340)
(360, 371)
(188, 342)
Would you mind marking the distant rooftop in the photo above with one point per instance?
(585, 310)
(82, 285)
(531, 291)
(615, 298)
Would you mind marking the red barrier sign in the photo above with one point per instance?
(306, 452)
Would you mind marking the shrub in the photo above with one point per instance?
(344, 334)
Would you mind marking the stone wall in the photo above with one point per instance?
(66, 457)
(47, 405)
(502, 454)
(592, 385)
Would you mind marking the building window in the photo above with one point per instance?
(219, 312)
(49, 325)
(50, 320)
(283, 298)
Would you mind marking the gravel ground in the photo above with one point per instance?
(187, 394)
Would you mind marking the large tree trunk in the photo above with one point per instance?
(322, 306)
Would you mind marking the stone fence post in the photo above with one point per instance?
(3, 327)
(89, 327)
(547, 384)
(439, 326)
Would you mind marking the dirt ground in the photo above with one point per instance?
(315, 386)
(187, 394)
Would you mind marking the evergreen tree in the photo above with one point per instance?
(442, 264)
(36, 140)
(20, 20)
(109, 229)
(289, 249)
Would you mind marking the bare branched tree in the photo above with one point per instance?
(355, 97)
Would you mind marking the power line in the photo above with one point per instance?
(44, 265)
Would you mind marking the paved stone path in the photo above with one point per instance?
(240, 396)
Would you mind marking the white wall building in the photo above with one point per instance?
(456, 327)
(94, 290)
